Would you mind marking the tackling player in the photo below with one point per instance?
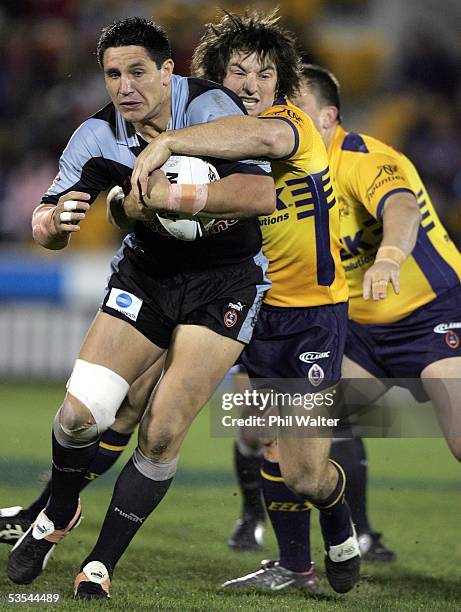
(413, 334)
(306, 307)
(159, 297)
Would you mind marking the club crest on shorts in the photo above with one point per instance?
(230, 317)
(452, 339)
(315, 375)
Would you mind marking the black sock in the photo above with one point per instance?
(350, 454)
(248, 471)
(335, 516)
(290, 518)
(68, 472)
(111, 445)
(135, 497)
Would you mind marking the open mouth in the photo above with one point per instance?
(249, 103)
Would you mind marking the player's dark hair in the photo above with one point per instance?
(324, 85)
(135, 31)
(253, 32)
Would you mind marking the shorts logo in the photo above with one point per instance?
(452, 340)
(312, 356)
(315, 375)
(124, 302)
(239, 306)
(442, 328)
(230, 318)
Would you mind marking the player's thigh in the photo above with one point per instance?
(360, 387)
(118, 346)
(197, 361)
(442, 383)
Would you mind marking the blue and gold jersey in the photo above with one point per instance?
(366, 172)
(301, 237)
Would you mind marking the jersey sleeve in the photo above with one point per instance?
(301, 125)
(215, 104)
(81, 167)
(375, 177)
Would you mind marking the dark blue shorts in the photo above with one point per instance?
(298, 343)
(404, 348)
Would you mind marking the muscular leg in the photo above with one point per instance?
(442, 382)
(196, 362)
(117, 346)
(112, 443)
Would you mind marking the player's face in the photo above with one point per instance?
(138, 89)
(253, 79)
(306, 101)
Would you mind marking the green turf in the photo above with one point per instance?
(179, 558)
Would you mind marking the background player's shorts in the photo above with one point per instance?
(224, 299)
(404, 348)
(298, 343)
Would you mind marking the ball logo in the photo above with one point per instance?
(452, 340)
(123, 300)
(315, 375)
(230, 318)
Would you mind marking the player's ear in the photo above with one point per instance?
(167, 70)
(329, 116)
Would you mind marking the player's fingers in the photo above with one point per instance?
(77, 195)
(71, 205)
(395, 280)
(366, 287)
(379, 289)
(66, 217)
(65, 227)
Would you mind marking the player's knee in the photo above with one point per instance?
(305, 484)
(99, 393)
(162, 440)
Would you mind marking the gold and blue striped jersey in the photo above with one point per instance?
(301, 237)
(366, 173)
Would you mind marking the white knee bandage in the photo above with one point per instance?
(100, 389)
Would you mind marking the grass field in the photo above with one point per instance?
(180, 557)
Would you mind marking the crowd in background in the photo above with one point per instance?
(49, 82)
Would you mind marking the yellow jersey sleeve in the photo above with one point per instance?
(303, 131)
(375, 177)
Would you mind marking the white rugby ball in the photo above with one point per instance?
(192, 171)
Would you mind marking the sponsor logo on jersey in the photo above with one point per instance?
(442, 328)
(315, 375)
(124, 302)
(230, 318)
(386, 174)
(273, 220)
(452, 340)
(312, 356)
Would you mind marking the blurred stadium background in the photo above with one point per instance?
(399, 65)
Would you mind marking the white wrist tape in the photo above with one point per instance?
(101, 390)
